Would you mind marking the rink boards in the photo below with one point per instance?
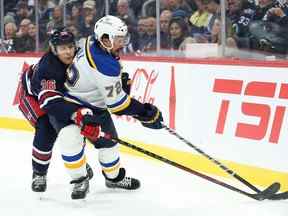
(236, 111)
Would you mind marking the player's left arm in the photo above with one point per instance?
(120, 103)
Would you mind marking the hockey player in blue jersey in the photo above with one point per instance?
(94, 82)
(52, 65)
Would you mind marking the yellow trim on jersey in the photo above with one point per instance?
(88, 54)
(154, 118)
(111, 169)
(122, 106)
(75, 165)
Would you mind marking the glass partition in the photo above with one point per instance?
(180, 28)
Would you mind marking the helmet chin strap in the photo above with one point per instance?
(106, 47)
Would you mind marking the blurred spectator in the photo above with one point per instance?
(9, 19)
(10, 30)
(23, 12)
(125, 13)
(142, 32)
(72, 28)
(87, 26)
(215, 32)
(101, 7)
(9, 6)
(149, 8)
(112, 6)
(88, 18)
(178, 34)
(192, 5)
(75, 15)
(44, 11)
(32, 30)
(179, 5)
(136, 6)
(199, 20)
(165, 18)
(212, 7)
(262, 8)
(142, 26)
(240, 14)
(89, 7)
(181, 13)
(132, 43)
(23, 41)
(150, 39)
(57, 18)
(7, 43)
(270, 29)
(278, 13)
(23, 27)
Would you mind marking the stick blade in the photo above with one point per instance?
(268, 192)
(279, 196)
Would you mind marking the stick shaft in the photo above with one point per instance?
(218, 163)
(180, 166)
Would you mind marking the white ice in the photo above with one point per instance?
(165, 190)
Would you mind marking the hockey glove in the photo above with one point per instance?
(126, 82)
(89, 129)
(152, 117)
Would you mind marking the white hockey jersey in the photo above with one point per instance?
(94, 79)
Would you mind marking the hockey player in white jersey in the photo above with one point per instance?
(94, 81)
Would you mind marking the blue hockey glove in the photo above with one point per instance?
(126, 82)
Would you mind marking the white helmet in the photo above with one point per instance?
(111, 26)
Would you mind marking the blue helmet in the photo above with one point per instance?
(60, 36)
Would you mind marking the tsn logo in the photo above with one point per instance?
(262, 111)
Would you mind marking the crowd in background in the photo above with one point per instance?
(250, 25)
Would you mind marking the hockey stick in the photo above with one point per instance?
(223, 167)
(279, 196)
(261, 195)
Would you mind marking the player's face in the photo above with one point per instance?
(66, 53)
(118, 44)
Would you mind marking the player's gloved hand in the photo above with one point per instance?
(151, 118)
(89, 128)
(126, 82)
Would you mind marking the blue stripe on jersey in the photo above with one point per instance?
(104, 61)
(73, 157)
(111, 164)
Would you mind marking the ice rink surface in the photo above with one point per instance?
(165, 190)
